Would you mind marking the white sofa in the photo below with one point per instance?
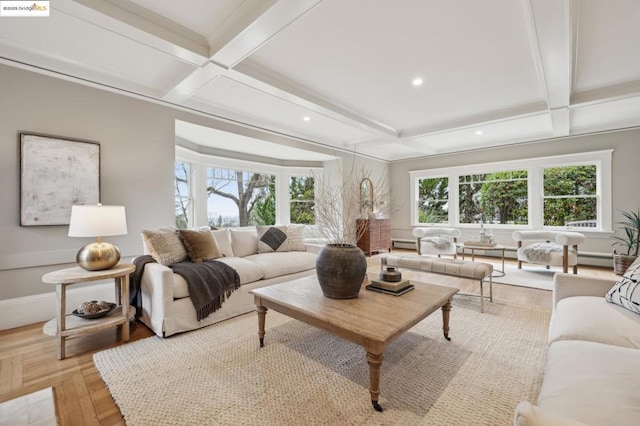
(592, 372)
(167, 308)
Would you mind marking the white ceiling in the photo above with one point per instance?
(495, 71)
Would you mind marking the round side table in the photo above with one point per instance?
(64, 326)
(496, 272)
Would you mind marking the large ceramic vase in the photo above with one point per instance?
(341, 269)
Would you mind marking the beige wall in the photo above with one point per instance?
(137, 142)
(626, 175)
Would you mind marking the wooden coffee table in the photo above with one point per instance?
(372, 320)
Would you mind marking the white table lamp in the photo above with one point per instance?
(97, 221)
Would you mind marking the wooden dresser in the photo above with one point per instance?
(376, 235)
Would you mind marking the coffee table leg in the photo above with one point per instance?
(262, 313)
(374, 361)
(446, 308)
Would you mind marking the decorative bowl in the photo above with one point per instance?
(97, 314)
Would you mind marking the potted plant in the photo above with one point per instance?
(630, 242)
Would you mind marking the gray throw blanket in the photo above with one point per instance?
(210, 283)
(439, 243)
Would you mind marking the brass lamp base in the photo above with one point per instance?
(98, 256)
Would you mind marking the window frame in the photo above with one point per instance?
(189, 196)
(291, 200)
(200, 163)
(535, 193)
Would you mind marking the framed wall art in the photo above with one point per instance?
(55, 174)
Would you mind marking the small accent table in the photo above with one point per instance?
(496, 272)
(64, 326)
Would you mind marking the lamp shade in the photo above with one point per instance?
(97, 221)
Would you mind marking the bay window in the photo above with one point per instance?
(182, 194)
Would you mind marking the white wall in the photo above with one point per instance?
(137, 140)
(626, 175)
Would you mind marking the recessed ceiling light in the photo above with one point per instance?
(417, 81)
(478, 132)
(306, 118)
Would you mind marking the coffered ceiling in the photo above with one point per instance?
(341, 73)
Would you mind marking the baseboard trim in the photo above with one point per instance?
(27, 310)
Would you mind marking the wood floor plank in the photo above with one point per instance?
(28, 357)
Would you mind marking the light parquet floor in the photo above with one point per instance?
(28, 360)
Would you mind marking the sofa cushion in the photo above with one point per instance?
(244, 242)
(247, 270)
(272, 238)
(223, 240)
(591, 382)
(200, 244)
(165, 246)
(626, 292)
(277, 264)
(295, 236)
(592, 319)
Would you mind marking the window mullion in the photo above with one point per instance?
(536, 197)
(454, 204)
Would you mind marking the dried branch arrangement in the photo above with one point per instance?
(338, 207)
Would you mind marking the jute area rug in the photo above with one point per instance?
(219, 376)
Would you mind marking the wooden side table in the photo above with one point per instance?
(64, 326)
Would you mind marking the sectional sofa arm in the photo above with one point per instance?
(569, 285)
(528, 414)
(156, 288)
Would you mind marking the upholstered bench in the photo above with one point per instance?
(436, 265)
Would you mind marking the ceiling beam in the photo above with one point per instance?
(195, 81)
(551, 36)
(250, 36)
(616, 92)
(561, 120)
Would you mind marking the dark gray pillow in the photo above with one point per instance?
(272, 238)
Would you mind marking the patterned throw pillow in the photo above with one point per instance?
(199, 244)
(626, 292)
(165, 246)
(295, 234)
(272, 238)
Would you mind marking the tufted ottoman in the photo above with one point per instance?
(457, 268)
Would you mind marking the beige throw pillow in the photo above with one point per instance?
(200, 244)
(244, 242)
(165, 246)
(295, 234)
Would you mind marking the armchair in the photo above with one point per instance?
(436, 241)
(559, 248)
